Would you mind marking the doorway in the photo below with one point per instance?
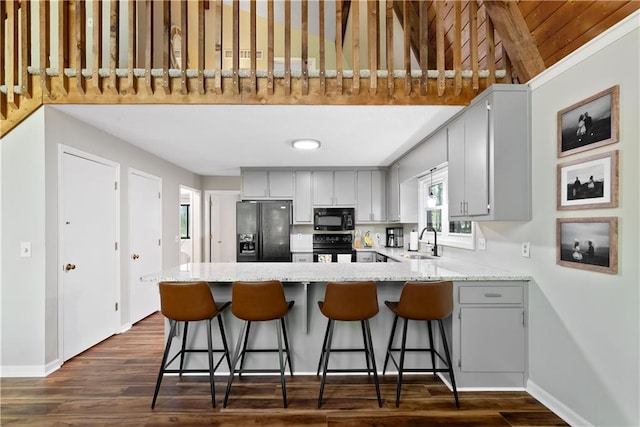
(190, 225)
(89, 230)
(145, 242)
(220, 227)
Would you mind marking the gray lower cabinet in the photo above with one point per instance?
(302, 257)
(365, 256)
(488, 334)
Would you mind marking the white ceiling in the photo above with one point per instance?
(220, 139)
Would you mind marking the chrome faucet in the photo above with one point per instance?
(435, 239)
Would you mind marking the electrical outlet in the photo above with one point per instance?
(482, 244)
(526, 246)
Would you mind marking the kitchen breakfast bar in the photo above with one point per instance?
(486, 332)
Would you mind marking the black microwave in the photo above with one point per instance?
(333, 219)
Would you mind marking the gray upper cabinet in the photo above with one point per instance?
(263, 184)
(302, 203)
(334, 188)
(393, 193)
(489, 157)
(370, 196)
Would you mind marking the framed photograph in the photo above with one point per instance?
(590, 123)
(588, 243)
(588, 183)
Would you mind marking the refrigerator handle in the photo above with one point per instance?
(290, 213)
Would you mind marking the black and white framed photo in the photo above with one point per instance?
(588, 243)
(588, 183)
(590, 123)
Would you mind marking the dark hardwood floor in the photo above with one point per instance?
(113, 382)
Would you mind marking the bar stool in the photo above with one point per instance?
(349, 301)
(422, 301)
(259, 302)
(190, 302)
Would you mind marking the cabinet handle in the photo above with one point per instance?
(490, 295)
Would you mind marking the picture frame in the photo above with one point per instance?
(590, 123)
(588, 183)
(588, 243)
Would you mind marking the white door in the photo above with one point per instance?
(145, 250)
(89, 252)
(222, 220)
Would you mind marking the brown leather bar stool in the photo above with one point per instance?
(349, 301)
(426, 301)
(190, 302)
(259, 302)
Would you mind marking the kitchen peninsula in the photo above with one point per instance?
(487, 331)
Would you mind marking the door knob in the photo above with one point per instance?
(135, 256)
(69, 267)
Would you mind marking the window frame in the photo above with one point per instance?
(445, 238)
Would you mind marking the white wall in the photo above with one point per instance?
(584, 327)
(22, 280)
(29, 286)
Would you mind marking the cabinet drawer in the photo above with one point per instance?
(302, 257)
(490, 295)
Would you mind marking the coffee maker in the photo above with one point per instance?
(395, 237)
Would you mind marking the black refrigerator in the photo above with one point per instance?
(263, 231)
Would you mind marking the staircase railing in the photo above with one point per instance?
(244, 52)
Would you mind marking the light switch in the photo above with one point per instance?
(25, 249)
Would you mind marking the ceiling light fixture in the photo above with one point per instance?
(305, 144)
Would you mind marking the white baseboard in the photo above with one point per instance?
(29, 371)
(556, 406)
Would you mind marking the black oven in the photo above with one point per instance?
(333, 219)
(333, 248)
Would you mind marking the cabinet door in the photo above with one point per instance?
(476, 159)
(378, 202)
(302, 208)
(393, 193)
(344, 188)
(323, 188)
(362, 256)
(492, 339)
(281, 184)
(255, 185)
(456, 169)
(364, 196)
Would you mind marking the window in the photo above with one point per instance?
(433, 211)
(184, 222)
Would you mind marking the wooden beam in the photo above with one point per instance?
(96, 49)
(131, 48)
(473, 42)
(339, 32)
(219, 51)
(305, 47)
(372, 38)
(323, 65)
(516, 37)
(252, 44)
(148, 46)
(345, 7)
(270, 42)
(114, 44)
(63, 45)
(424, 47)
(355, 36)
(389, 47)
(80, 43)
(3, 96)
(201, 47)
(25, 37)
(491, 52)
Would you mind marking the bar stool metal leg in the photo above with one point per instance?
(281, 359)
(244, 347)
(366, 353)
(401, 364)
(286, 345)
(448, 356)
(324, 346)
(391, 336)
(211, 368)
(172, 330)
(326, 351)
(224, 341)
(184, 346)
(234, 362)
(432, 351)
(373, 362)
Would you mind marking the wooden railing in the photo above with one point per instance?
(244, 52)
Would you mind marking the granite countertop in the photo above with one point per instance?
(407, 269)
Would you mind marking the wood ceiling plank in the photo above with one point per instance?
(540, 13)
(558, 48)
(518, 42)
(558, 20)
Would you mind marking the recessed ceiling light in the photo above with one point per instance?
(305, 144)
